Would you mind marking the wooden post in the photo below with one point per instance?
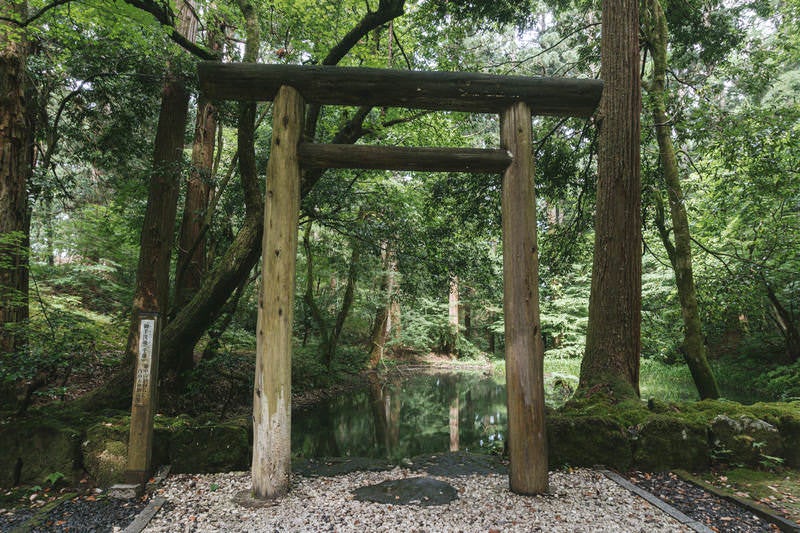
(143, 405)
(273, 379)
(524, 349)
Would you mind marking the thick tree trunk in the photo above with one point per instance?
(613, 341)
(680, 254)
(155, 251)
(15, 169)
(191, 265)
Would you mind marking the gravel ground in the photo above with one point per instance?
(93, 515)
(579, 501)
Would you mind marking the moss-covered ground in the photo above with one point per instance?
(776, 488)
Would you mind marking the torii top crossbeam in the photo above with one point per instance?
(444, 91)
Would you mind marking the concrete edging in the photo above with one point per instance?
(147, 514)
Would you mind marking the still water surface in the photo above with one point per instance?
(400, 417)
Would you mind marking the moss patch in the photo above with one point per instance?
(212, 448)
(587, 441)
(35, 447)
(664, 442)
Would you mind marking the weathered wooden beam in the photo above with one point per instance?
(272, 393)
(473, 160)
(527, 440)
(445, 91)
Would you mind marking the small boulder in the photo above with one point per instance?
(744, 439)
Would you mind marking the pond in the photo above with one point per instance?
(398, 417)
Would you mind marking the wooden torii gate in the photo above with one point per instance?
(515, 99)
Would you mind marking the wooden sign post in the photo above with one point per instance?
(143, 405)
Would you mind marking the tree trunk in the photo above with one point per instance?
(15, 168)
(613, 343)
(155, 248)
(191, 264)
(680, 254)
(786, 324)
(451, 341)
(383, 313)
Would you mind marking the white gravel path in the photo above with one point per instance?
(581, 500)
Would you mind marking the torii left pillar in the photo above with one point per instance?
(272, 393)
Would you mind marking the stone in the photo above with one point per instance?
(744, 439)
(36, 447)
(125, 491)
(423, 491)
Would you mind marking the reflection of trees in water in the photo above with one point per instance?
(395, 418)
(385, 401)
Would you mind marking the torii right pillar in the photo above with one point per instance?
(527, 440)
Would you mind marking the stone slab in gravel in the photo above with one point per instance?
(414, 490)
(579, 501)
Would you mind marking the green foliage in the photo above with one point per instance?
(782, 383)
(54, 478)
(425, 328)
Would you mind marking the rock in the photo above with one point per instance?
(105, 450)
(745, 440)
(422, 491)
(789, 428)
(35, 447)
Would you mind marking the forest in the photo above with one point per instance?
(126, 189)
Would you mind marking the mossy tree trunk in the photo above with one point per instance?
(679, 252)
(613, 343)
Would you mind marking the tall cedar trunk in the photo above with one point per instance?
(15, 168)
(191, 265)
(613, 339)
(155, 245)
(680, 254)
(237, 262)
